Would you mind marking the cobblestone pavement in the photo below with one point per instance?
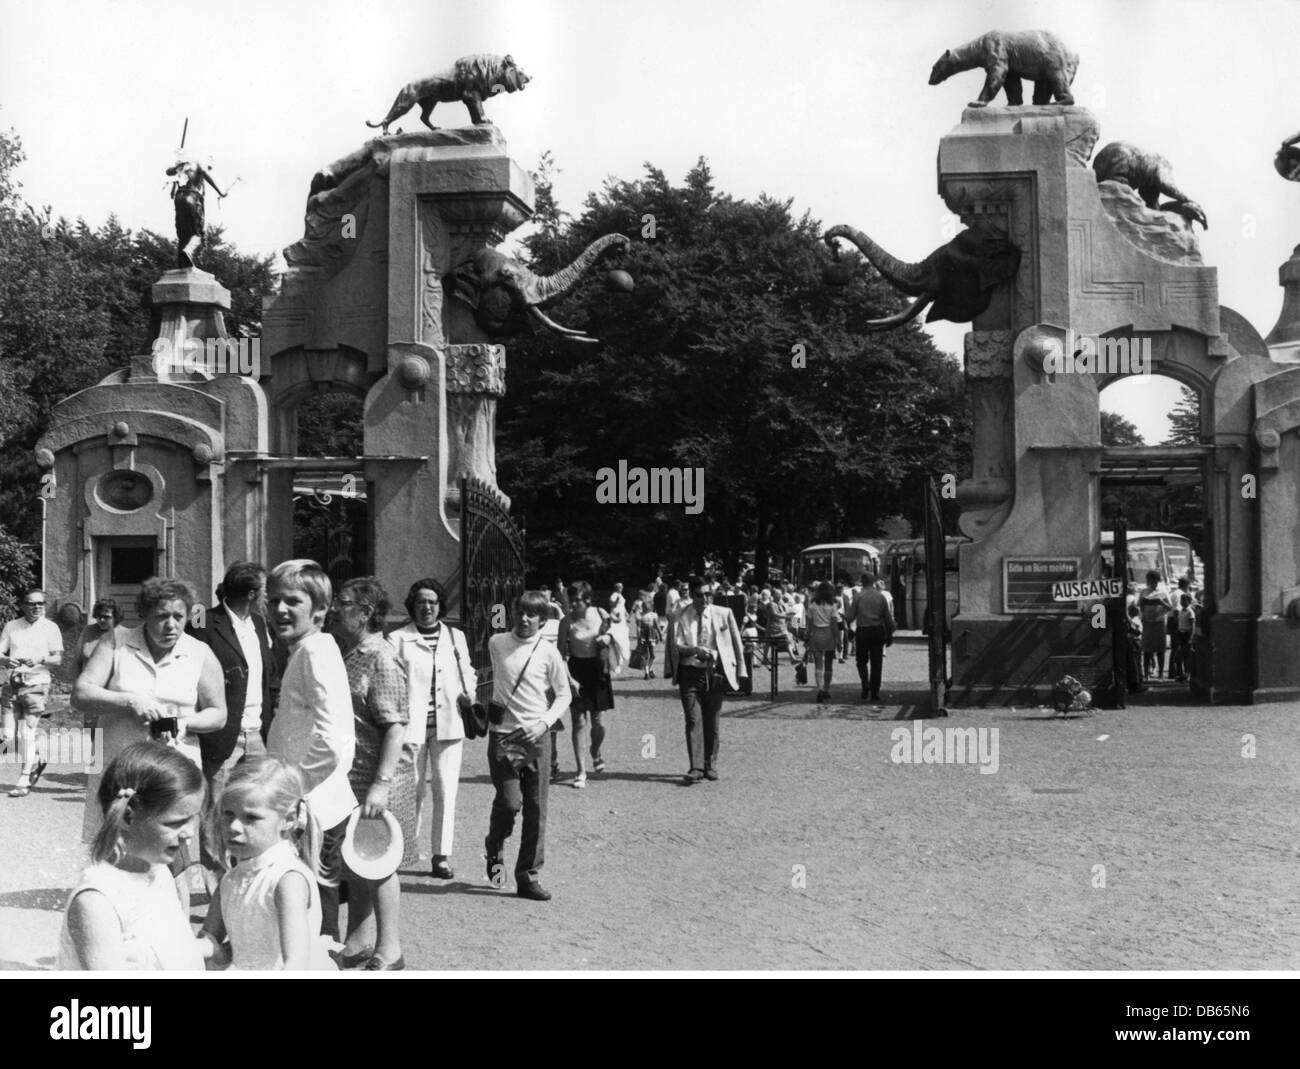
(1116, 840)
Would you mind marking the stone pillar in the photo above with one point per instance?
(1283, 340)
(1095, 262)
(450, 193)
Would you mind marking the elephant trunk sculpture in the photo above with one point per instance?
(505, 295)
(958, 278)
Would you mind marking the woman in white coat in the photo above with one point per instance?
(438, 668)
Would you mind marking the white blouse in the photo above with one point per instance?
(156, 933)
(249, 912)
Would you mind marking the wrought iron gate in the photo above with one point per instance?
(491, 571)
(935, 625)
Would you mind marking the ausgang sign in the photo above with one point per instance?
(1083, 589)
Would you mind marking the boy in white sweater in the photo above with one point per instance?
(526, 672)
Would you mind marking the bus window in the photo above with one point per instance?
(850, 564)
(1178, 558)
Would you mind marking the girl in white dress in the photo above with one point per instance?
(124, 913)
(268, 906)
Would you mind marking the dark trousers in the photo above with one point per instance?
(523, 788)
(701, 694)
(331, 865)
(871, 655)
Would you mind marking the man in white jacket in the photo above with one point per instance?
(703, 644)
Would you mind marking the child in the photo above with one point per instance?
(124, 914)
(1134, 664)
(268, 906)
(1186, 627)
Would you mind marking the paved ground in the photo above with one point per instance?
(816, 850)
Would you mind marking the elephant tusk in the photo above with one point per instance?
(909, 313)
(551, 324)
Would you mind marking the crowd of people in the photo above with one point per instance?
(1162, 619)
(244, 744)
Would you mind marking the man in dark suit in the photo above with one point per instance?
(252, 657)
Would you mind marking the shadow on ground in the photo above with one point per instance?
(51, 898)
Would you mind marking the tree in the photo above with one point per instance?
(74, 307)
(1116, 430)
(730, 355)
(1185, 419)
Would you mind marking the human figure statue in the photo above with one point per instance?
(1287, 160)
(187, 192)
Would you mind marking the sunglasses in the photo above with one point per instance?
(340, 603)
(33, 604)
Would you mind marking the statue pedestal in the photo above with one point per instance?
(187, 313)
(362, 309)
(1283, 340)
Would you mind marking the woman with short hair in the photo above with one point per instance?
(582, 641)
(435, 657)
(157, 682)
(382, 776)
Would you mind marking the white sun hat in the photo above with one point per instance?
(372, 849)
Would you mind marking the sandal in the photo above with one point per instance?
(599, 766)
(353, 961)
(22, 790)
(36, 773)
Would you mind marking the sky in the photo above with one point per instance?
(823, 101)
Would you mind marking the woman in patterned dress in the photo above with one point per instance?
(382, 776)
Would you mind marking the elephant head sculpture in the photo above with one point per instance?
(507, 298)
(958, 278)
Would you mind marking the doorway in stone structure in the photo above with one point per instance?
(1159, 490)
(122, 563)
(331, 502)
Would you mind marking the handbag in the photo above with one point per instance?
(801, 672)
(637, 661)
(473, 716)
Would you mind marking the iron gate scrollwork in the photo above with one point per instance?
(491, 570)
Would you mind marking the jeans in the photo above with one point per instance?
(523, 788)
(701, 694)
(871, 655)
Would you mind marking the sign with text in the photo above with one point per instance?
(1027, 583)
(1087, 589)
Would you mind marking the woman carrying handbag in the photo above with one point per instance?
(439, 674)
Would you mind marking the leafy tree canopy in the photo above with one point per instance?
(699, 367)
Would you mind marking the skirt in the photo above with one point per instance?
(822, 639)
(593, 678)
(401, 803)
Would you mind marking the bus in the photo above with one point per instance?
(841, 563)
(903, 568)
(1153, 551)
(901, 563)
